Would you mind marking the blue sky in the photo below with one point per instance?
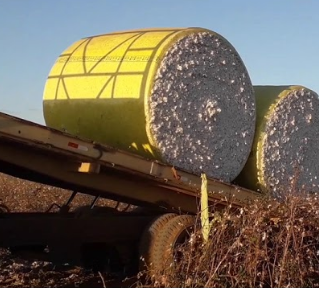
(278, 40)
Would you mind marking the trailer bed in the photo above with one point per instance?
(41, 154)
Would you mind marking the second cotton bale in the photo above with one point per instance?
(182, 96)
(285, 153)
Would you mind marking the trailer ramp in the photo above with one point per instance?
(41, 154)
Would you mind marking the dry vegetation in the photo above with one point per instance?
(21, 195)
(269, 244)
(17, 271)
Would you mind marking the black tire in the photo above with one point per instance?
(150, 238)
(175, 232)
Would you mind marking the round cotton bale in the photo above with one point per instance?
(285, 153)
(181, 96)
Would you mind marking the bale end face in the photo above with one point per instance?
(202, 107)
(289, 150)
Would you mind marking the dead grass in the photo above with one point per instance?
(268, 244)
(26, 196)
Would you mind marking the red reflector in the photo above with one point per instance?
(73, 145)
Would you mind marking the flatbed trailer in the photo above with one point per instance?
(44, 155)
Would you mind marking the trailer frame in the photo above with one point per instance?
(49, 156)
(37, 153)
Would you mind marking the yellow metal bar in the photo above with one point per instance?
(89, 168)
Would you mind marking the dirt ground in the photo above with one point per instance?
(16, 271)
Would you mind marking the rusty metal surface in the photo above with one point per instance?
(45, 155)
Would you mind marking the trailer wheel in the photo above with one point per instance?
(149, 238)
(175, 233)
